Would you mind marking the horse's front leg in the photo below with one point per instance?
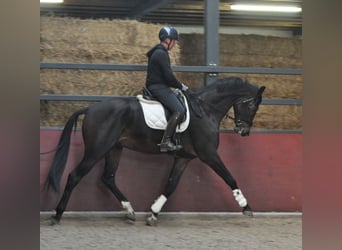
(178, 168)
(214, 161)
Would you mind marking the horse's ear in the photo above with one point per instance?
(261, 90)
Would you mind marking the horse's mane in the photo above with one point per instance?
(229, 84)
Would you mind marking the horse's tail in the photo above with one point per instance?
(61, 156)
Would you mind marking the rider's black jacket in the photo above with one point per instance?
(159, 68)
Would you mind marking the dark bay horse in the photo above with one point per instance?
(117, 123)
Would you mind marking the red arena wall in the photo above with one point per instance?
(267, 167)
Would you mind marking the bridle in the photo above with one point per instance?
(240, 100)
(239, 121)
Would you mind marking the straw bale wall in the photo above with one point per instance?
(254, 51)
(126, 42)
(92, 41)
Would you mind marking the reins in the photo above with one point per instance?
(207, 103)
(227, 115)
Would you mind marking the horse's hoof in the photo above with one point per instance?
(131, 217)
(54, 220)
(247, 211)
(151, 221)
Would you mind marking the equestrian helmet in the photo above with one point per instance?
(168, 32)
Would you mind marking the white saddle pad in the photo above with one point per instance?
(154, 115)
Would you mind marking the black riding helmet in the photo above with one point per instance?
(168, 32)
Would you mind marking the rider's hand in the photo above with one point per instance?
(184, 87)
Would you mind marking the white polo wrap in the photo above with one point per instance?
(158, 204)
(127, 206)
(241, 200)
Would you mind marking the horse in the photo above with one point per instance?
(116, 123)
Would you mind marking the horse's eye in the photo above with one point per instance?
(252, 106)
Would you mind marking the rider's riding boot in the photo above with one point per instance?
(166, 143)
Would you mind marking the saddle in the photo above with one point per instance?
(147, 94)
(156, 115)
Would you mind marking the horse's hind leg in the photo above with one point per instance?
(73, 179)
(176, 173)
(112, 162)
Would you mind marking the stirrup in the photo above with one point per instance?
(169, 146)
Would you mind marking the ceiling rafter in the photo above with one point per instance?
(147, 6)
(174, 12)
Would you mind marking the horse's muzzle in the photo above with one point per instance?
(242, 130)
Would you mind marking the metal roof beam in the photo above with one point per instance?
(146, 7)
(211, 25)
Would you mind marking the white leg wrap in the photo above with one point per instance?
(241, 200)
(127, 206)
(158, 204)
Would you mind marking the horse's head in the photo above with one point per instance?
(244, 111)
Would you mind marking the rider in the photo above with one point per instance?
(160, 78)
